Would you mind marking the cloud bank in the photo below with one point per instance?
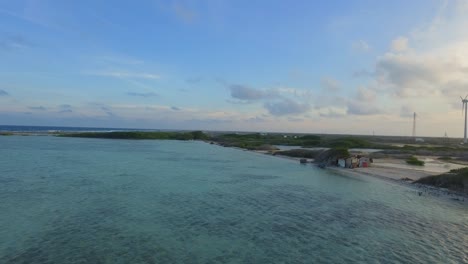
(286, 107)
(275, 101)
(250, 94)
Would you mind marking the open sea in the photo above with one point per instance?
(72, 200)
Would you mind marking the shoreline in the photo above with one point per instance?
(388, 170)
(420, 189)
(397, 175)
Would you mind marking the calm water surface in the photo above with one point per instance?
(69, 200)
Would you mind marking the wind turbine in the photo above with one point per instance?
(464, 104)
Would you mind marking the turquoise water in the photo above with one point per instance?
(70, 200)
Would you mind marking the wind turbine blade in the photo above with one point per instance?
(461, 98)
(466, 96)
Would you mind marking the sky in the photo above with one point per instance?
(343, 67)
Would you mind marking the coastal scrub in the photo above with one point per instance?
(454, 180)
(414, 161)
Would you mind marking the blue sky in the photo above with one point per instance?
(303, 66)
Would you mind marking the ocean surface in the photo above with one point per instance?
(49, 129)
(72, 200)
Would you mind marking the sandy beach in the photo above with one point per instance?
(386, 172)
(397, 170)
(393, 169)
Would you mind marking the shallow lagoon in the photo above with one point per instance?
(70, 200)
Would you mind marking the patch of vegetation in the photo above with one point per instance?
(309, 141)
(253, 146)
(329, 157)
(445, 158)
(349, 142)
(454, 180)
(253, 140)
(266, 147)
(353, 142)
(194, 135)
(409, 148)
(6, 134)
(300, 153)
(262, 141)
(414, 161)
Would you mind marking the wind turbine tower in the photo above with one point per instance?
(414, 125)
(464, 105)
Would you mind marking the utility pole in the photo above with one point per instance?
(466, 104)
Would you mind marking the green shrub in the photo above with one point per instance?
(445, 158)
(258, 139)
(349, 142)
(300, 153)
(414, 161)
(329, 157)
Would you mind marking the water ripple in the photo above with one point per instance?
(98, 201)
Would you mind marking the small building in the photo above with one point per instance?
(342, 163)
(352, 162)
(348, 163)
(364, 162)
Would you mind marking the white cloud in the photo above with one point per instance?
(330, 84)
(331, 112)
(286, 107)
(362, 108)
(290, 92)
(243, 92)
(425, 69)
(406, 111)
(399, 44)
(361, 46)
(436, 65)
(366, 94)
(425, 73)
(277, 101)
